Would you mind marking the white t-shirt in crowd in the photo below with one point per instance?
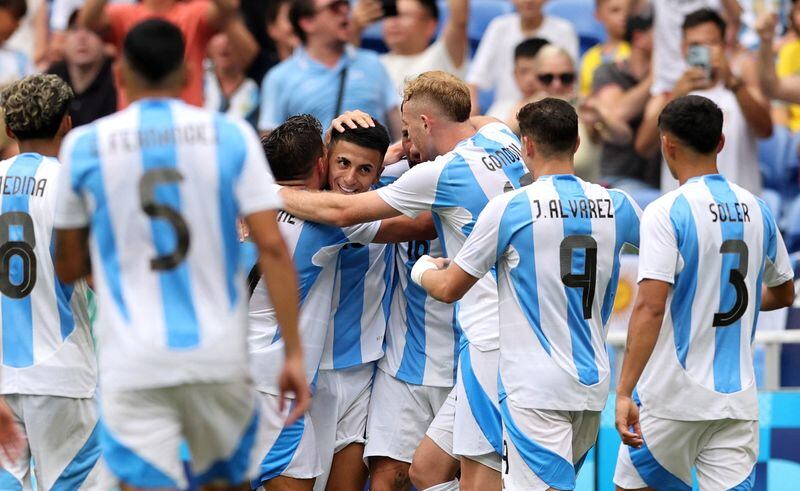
(60, 10)
(435, 57)
(493, 64)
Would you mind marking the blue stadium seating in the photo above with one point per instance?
(581, 14)
(774, 154)
(792, 226)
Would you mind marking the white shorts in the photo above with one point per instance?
(63, 439)
(339, 412)
(289, 451)
(440, 430)
(399, 415)
(545, 449)
(723, 451)
(478, 433)
(144, 429)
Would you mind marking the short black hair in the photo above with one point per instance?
(18, 8)
(301, 9)
(431, 7)
(551, 123)
(374, 138)
(154, 49)
(694, 120)
(637, 23)
(294, 147)
(272, 9)
(702, 16)
(529, 48)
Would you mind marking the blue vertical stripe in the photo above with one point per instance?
(353, 268)
(388, 281)
(18, 312)
(87, 176)
(180, 317)
(483, 409)
(517, 229)
(458, 187)
(769, 250)
(685, 230)
(412, 365)
(568, 188)
(63, 293)
(626, 224)
(230, 159)
(727, 345)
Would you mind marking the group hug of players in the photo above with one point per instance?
(438, 321)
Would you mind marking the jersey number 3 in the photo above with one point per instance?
(736, 278)
(23, 249)
(156, 210)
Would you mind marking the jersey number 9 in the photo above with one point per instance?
(588, 278)
(156, 210)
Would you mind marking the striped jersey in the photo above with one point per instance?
(14, 65)
(422, 338)
(716, 244)
(556, 244)
(47, 343)
(315, 251)
(360, 306)
(161, 184)
(455, 187)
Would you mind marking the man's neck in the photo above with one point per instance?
(137, 95)
(409, 49)
(451, 134)
(229, 81)
(551, 167)
(82, 76)
(158, 5)
(327, 53)
(530, 24)
(697, 168)
(48, 148)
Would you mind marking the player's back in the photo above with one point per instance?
(314, 249)
(716, 243)
(47, 347)
(165, 182)
(558, 242)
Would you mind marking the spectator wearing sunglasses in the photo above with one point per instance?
(525, 77)
(326, 76)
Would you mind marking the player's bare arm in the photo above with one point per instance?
(404, 229)
(336, 209)
(281, 281)
(777, 297)
(645, 324)
(72, 254)
(443, 280)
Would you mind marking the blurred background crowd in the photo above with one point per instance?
(617, 61)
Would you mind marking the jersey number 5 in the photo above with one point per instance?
(156, 210)
(736, 278)
(587, 279)
(22, 249)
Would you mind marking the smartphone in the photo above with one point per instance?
(699, 55)
(389, 8)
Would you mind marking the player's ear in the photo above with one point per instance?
(528, 148)
(721, 143)
(10, 133)
(667, 146)
(577, 145)
(66, 125)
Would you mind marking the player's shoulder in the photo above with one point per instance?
(392, 172)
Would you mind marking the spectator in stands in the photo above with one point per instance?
(494, 59)
(733, 86)
(612, 14)
(668, 62)
(784, 83)
(525, 78)
(60, 13)
(87, 70)
(13, 64)
(410, 35)
(622, 89)
(227, 88)
(325, 76)
(279, 28)
(198, 20)
(30, 37)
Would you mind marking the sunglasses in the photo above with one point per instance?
(335, 6)
(549, 78)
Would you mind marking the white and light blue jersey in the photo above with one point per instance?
(47, 346)
(14, 65)
(456, 187)
(315, 251)
(716, 244)
(422, 337)
(360, 306)
(556, 245)
(160, 185)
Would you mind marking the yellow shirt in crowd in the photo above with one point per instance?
(789, 64)
(595, 57)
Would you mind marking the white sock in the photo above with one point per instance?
(447, 486)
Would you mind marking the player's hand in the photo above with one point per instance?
(352, 120)
(440, 262)
(10, 438)
(692, 79)
(628, 417)
(293, 379)
(394, 153)
(365, 12)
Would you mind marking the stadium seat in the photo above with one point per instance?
(581, 14)
(773, 157)
(774, 202)
(481, 13)
(792, 226)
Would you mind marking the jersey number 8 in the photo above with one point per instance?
(156, 210)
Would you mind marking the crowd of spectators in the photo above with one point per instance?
(265, 60)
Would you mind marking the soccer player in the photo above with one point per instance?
(556, 246)
(470, 167)
(48, 374)
(358, 319)
(417, 373)
(160, 186)
(689, 341)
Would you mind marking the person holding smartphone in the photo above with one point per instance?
(730, 80)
